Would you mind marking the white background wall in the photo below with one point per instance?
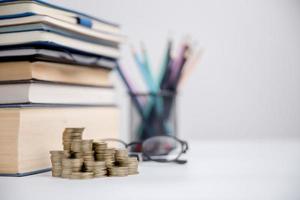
(248, 82)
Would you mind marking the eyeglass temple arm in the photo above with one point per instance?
(178, 161)
(184, 145)
(114, 139)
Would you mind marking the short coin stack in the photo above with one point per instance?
(56, 161)
(66, 168)
(133, 165)
(100, 169)
(122, 159)
(84, 159)
(118, 171)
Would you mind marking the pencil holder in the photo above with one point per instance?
(158, 116)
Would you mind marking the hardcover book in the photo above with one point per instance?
(27, 134)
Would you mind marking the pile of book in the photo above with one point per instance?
(54, 73)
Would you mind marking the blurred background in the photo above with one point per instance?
(247, 85)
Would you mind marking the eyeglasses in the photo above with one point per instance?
(157, 148)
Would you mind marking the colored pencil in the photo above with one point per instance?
(190, 66)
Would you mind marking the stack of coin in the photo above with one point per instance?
(66, 168)
(77, 154)
(88, 156)
(87, 145)
(83, 159)
(71, 134)
(117, 171)
(76, 145)
(100, 169)
(77, 164)
(132, 165)
(99, 148)
(67, 154)
(89, 166)
(56, 161)
(99, 145)
(109, 156)
(102, 152)
(122, 157)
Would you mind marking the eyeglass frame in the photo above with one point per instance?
(141, 155)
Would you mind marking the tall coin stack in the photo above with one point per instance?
(69, 135)
(84, 159)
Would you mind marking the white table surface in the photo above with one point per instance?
(216, 170)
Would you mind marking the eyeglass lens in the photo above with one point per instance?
(162, 147)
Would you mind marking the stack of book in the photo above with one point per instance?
(54, 73)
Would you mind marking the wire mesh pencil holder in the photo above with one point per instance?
(158, 116)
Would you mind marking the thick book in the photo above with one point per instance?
(45, 38)
(54, 55)
(28, 134)
(21, 8)
(54, 72)
(43, 92)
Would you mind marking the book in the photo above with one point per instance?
(54, 72)
(105, 41)
(51, 39)
(28, 134)
(21, 8)
(54, 55)
(47, 20)
(13, 92)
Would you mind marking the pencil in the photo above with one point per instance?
(146, 65)
(130, 89)
(177, 66)
(135, 99)
(191, 64)
(142, 69)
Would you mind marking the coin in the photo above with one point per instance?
(56, 173)
(87, 175)
(67, 154)
(73, 130)
(67, 163)
(118, 171)
(99, 146)
(87, 145)
(77, 162)
(77, 154)
(75, 175)
(76, 145)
